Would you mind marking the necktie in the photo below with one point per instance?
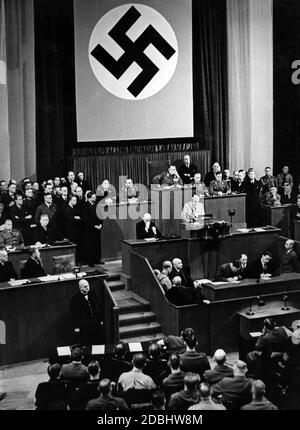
(90, 307)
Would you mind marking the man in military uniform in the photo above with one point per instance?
(218, 186)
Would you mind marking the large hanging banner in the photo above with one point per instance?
(133, 69)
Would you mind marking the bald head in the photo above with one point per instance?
(220, 356)
(177, 263)
(176, 281)
(147, 217)
(289, 244)
(84, 286)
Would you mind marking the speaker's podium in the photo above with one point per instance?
(250, 326)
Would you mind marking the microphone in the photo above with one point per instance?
(285, 307)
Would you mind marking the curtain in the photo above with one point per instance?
(132, 165)
(210, 77)
(55, 86)
(250, 84)
(17, 125)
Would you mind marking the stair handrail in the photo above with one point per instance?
(112, 317)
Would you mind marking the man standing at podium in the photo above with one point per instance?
(146, 229)
(187, 170)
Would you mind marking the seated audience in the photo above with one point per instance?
(220, 371)
(10, 237)
(193, 210)
(174, 382)
(146, 228)
(267, 181)
(135, 378)
(75, 371)
(33, 267)
(273, 338)
(218, 186)
(54, 394)
(163, 276)
(290, 262)
(187, 170)
(284, 177)
(89, 389)
(264, 267)
(156, 367)
(106, 402)
(106, 193)
(211, 176)
(286, 195)
(239, 186)
(200, 186)
(190, 360)
(169, 178)
(43, 233)
(259, 402)
(7, 271)
(235, 391)
(187, 397)
(129, 192)
(206, 403)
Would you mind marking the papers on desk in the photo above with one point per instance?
(259, 229)
(255, 333)
(220, 283)
(68, 276)
(203, 281)
(17, 282)
(63, 351)
(243, 230)
(98, 349)
(135, 347)
(50, 278)
(150, 239)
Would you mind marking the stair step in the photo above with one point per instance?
(139, 329)
(115, 285)
(136, 317)
(147, 338)
(129, 302)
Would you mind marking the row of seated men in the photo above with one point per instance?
(181, 290)
(175, 376)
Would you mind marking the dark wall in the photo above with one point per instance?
(286, 94)
(55, 85)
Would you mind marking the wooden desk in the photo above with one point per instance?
(280, 217)
(254, 323)
(203, 257)
(37, 317)
(230, 300)
(169, 202)
(18, 257)
(120, 223)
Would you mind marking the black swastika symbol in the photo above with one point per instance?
(133, 51)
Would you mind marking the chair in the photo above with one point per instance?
(154, 168)
(138, 399)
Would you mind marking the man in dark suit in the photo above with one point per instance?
(33, 267)
(264, 267)
(187, 397)
(53, 394)
(92, 231)
(71, 220)
(7, 271)
(177, 270)
(290, 262)
(81, 182)
(45, 234)
(86, 315)
(233, 271)
(253, 204)
(174, 382)
(239, 186)
(146, 229)
(62, 204)
(191, 360)
(75, 372)
(286, 194)
(156, 367)
(48, 208)
(236, 390)
(187, 170)
(211, 176)
(220, 371)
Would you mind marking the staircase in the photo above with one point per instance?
(137, 323)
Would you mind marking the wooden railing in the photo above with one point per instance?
(172, 318)
(111, 317)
